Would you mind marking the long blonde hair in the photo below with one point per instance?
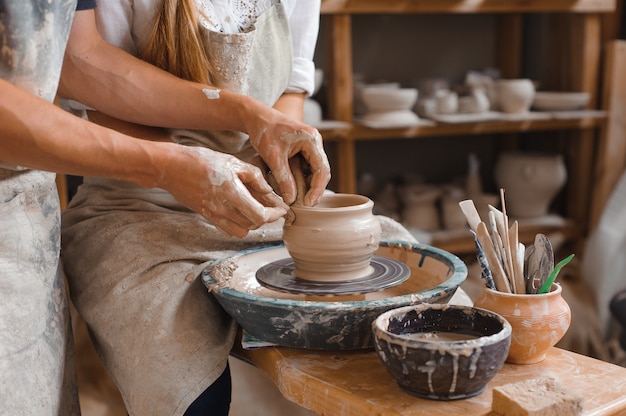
(176, 44)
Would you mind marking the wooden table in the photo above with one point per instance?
(355, 383)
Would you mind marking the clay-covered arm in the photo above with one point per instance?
(231, 194)
(109, 80)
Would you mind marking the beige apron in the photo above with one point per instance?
(132, 255)
(37, 372)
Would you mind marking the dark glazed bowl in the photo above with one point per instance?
(418, 345)
(327, 322)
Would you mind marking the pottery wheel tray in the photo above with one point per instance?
(327, 322)
(385, 272)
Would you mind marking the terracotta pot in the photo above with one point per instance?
(538, 321)
(335, 240)
(515, 96)
(531, 181)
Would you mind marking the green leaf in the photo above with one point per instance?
(548, 283)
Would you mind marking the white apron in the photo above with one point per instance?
(37, 369)
(133, 255)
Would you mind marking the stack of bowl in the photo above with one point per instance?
(389, 105)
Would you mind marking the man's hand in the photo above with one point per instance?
(231, 194)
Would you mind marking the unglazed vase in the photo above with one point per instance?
(538, 321)
(530, 180)
(515, 96)
(335, 240)
(420, 207)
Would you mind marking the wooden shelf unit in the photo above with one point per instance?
(579, 36)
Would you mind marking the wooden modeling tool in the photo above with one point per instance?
(507, 244)
(497, 272)
(471, 213)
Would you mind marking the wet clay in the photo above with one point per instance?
(335, 240)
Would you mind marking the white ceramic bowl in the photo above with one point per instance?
(380, 99)
(390, 119)
(560, 101)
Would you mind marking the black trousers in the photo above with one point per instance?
(215, 400)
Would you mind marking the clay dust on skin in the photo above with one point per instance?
(293, 137)
(211, 94)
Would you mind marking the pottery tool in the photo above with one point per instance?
(538, 264)
(484, 264)
(516, 255)
(507, 244)
(471, 214)
(495, 237)
(498, 274)
(521, 252)
(501, 232)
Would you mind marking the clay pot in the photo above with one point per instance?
(335, 240)
(447, 102)
(420, 207)
(451, 215)
(538, 321)
(515, 96)
(531, 181)
(442, 352)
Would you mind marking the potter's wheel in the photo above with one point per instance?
(337, 322)
(386, 272)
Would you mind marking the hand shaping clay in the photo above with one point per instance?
(542, 396)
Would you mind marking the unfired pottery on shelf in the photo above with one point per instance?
(378, 99)
(538, 321)
(334, 240)
(390, 119)
(515, 95)
(560, 101)
(530, 180)
(420, 207)
(447, 102)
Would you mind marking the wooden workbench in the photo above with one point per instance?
(355, 383)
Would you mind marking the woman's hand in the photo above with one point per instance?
(231, 194)
(277, 138)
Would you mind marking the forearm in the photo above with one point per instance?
(292, 105)
(39, 135)
(114, 82)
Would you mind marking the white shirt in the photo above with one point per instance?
(126, 24)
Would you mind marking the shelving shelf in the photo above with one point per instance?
(466, 6)
(357, 132)
(578, 34)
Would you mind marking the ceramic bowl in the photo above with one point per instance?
(327, 322)
(442, 352)
(390, 119)
(515, 96)
(560, 101)
(380, 99)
